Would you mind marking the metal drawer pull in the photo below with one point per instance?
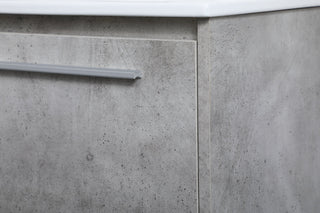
(71, 70)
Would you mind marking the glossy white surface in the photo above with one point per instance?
(162, 8)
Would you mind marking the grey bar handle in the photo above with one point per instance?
(71, 70)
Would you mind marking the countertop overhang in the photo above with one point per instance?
(152, 8)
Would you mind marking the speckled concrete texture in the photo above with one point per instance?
(137, 27)
(265, 113)
(204, 69)
(78, 144)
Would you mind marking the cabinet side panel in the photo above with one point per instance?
(265, 112)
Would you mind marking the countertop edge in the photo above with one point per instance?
(176, 8)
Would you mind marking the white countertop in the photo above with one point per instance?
(159, 8)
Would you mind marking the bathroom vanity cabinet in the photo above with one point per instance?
(225, 116)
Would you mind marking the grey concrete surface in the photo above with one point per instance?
(265, 113)
(204, 61)
(78, 144)
(155, 28)
(81, 144)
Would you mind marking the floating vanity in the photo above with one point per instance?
(160, 106)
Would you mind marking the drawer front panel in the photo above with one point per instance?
(85, 144)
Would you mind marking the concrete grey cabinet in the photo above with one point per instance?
(226, 117)
(79, 144)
